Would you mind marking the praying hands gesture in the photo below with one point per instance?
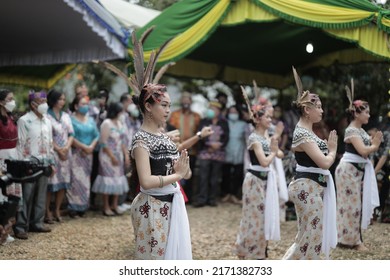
(182, 165)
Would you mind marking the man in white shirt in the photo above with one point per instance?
(34, 141)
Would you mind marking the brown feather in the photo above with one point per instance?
(352, 90)
(146, 34)
(159, 52)
(162, 71)
(256, 90)
(138, 57)
(350, 93)
(149, 68)
(113, 69)
(298, 82)
(245, 95)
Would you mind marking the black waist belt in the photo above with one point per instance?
(318, 178)
(165, 198)
(262, 175)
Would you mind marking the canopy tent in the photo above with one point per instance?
(43, 77)
(241, 40)
(42, 39)
(130, 15)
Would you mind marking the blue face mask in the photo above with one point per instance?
(233, 117)
(83, 109)
(210, 114)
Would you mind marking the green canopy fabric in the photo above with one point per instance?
(245, 40)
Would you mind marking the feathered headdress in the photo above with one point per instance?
(302, 94)
(142, 77)
(252, 109)
(350, 94)
(354, 105)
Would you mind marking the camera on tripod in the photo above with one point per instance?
(19, 171)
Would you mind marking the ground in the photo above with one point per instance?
(213, 232)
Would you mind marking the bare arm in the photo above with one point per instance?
(264, 160)
(380, 163)
(205, 132)
(149, 181)
(364, 150)
(321, 160)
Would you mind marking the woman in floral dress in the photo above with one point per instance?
(357, 191)
(158, 212)
(260, 210)
(86, 136)
(113, 157)
(62, 141)
(312, 189)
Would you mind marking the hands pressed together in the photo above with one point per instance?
(182, 165)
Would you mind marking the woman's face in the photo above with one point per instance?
(60, 102)
(160, 110)
(265, 120)
(363, 116)
(8, 98)
(315, 112)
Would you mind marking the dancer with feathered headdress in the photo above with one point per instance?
(357, 191)
(260, 211)
(158, 212)
(312, 189)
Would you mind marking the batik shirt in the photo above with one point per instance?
(162, 151)
(35, 138)
(302, 135)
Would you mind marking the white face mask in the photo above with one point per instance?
(10, 106)
(42, 108)
(133, 110)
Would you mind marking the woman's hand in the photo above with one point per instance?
(377, 139)
(274, 146)
(114, 161)
(174, 135)
(182, 165)
(332, 142)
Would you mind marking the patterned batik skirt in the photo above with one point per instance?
(251, 243)
(151, 219)
(61, 178)
(307, 197)
(79, 192)
(349, 185)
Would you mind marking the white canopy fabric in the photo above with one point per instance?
(46, 32)
(131, 15)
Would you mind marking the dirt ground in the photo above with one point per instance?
(213, 232)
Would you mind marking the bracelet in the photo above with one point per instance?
(161, 181)
(199, 134)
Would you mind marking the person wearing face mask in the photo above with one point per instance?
(86, 136)
(211, 156)
(8, 140)
(233, 168)
(130, 120)
(34, 140)
(187, 122)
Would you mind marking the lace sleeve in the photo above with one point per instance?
(251, 141)
(351, 132)
(302, 136)
(139, 142)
